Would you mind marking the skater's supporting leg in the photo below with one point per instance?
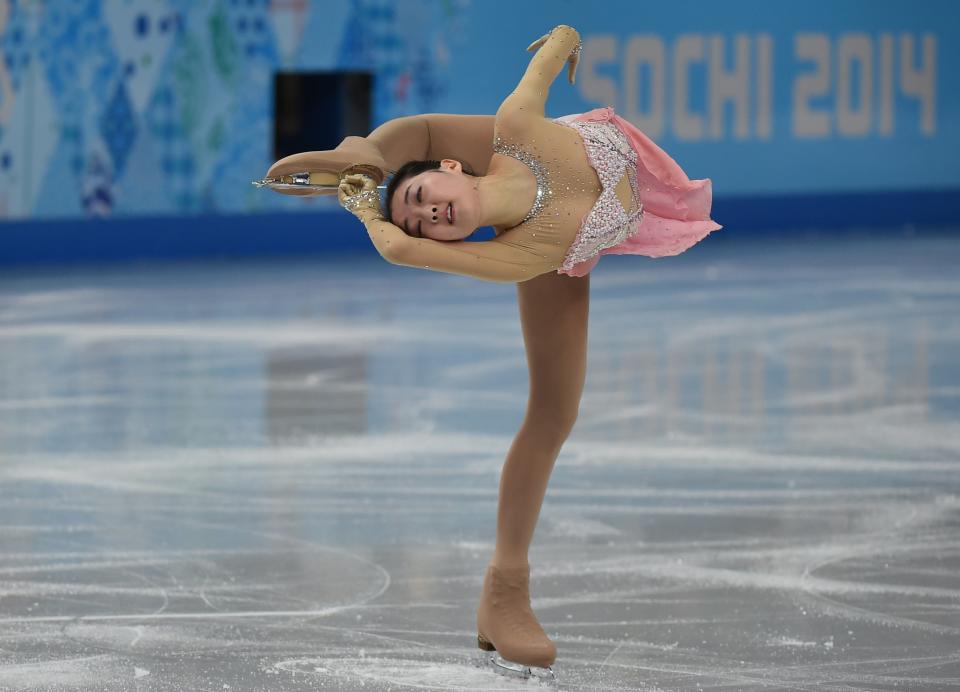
(553, 314)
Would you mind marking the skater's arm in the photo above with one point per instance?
(498, 259)
(560, 47)
(433, 136)
(385, 149)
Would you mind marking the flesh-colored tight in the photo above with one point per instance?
(553, 315)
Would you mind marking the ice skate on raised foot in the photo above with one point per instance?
(508, 633)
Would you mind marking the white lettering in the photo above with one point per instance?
(764, 85)
(806, 121)
(729, 86)
(854, 48)
(645, 50)
(655, 89)
(886, 85)
(688, 49)
(592, 86)
(920, 81)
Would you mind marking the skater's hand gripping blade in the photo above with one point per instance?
(519, 671)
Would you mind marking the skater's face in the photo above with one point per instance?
(441, 203)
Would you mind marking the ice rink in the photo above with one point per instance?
(283, 475)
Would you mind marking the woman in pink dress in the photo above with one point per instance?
(559, 193)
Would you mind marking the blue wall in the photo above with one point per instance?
(134, 127)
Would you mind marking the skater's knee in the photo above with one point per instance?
(552, 422)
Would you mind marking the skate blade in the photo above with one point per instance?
(518, 671)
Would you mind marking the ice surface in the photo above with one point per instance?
(283, 476)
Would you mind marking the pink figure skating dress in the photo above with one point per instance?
(673, 213)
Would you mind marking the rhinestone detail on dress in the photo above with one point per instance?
(608, 223)
(544, 190)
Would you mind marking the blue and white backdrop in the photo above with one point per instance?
(149, 108)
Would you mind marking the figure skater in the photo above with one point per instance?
(559, 193)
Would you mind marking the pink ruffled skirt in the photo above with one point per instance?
(676, 210)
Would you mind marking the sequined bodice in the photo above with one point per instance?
(544, 189)
(608, 223)
(610, 154)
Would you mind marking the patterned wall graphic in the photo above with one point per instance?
(143, 107)
(158, 107)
